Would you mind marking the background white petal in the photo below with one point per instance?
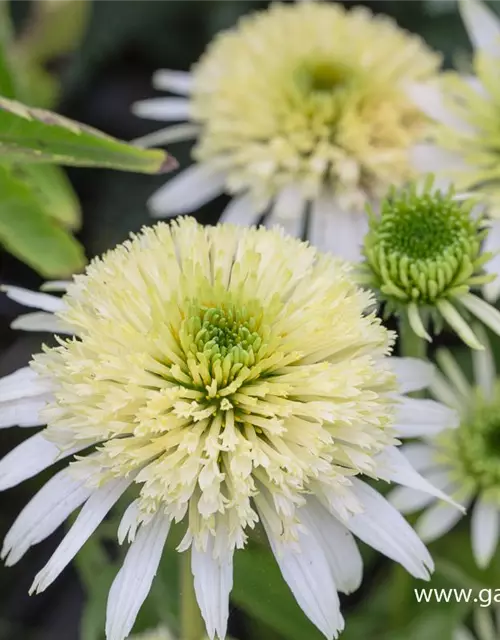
(416, 418)
(169, 135)
(428, 158)
(288, 211)
(339, 547)
(385, 529)
(90, 517)
(41, 321)
(241, 210)
(180, 82)
(485, 527)
(437, 521)
(483, 365)
(429, 97)
(133, 581)
(28, 298)
(491, 290)
(163, 109)
(413, 374)
(419, 455)
(187, 191)
(408, 500)
(335, 230)
(213, 581)
(48, 509)
(483, 26)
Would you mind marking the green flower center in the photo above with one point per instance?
(323, 77)
(423, 247)
(474, 447)
(432, 230)
(223, 339)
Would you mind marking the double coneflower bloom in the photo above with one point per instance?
(223, 379)
(300, 113)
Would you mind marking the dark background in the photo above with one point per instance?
(124, 43)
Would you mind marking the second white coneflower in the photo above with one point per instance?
(463, 461)
(230, 377)
(299, 106)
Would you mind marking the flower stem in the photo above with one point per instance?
(192, 625)
(410, 345)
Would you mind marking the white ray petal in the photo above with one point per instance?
(29, 458)
(483, 364)
(180, 82)
(23, 383)
(163, 109)
(339, 547)
(56, 285)
(213, 581)
(491, 290)
(485, 523)
(41, 321)
(408, 500)
(484, 311)
(28, 298)
(419, 455)
(427, 157)
(187, 191)
(385, 529)
(90, 517)
(437, 521)
(336, 231)
(133, 582)
(24, 412)
(392, 466)
(462, 633)
(482, 25)
(416, 418)
(48, 509)
(308, 575)
(241, 210)
(430, 99)
(129, 523)
(288, 211)
(169, 135)
(412, 374)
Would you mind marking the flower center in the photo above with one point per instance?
(422, 246)
(322, 76)
(474, 448)
(222, 340)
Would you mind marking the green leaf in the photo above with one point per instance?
(260, 591)
(54, 191)
(31, 235)
(35, 135)
(7, 84)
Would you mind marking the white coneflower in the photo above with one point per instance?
(467, 138)
(298, 107)
(464, 461)
(424, 258)
(228, 376)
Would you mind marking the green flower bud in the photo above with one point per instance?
(423, 255)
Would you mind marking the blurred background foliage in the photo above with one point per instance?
(90, 61)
